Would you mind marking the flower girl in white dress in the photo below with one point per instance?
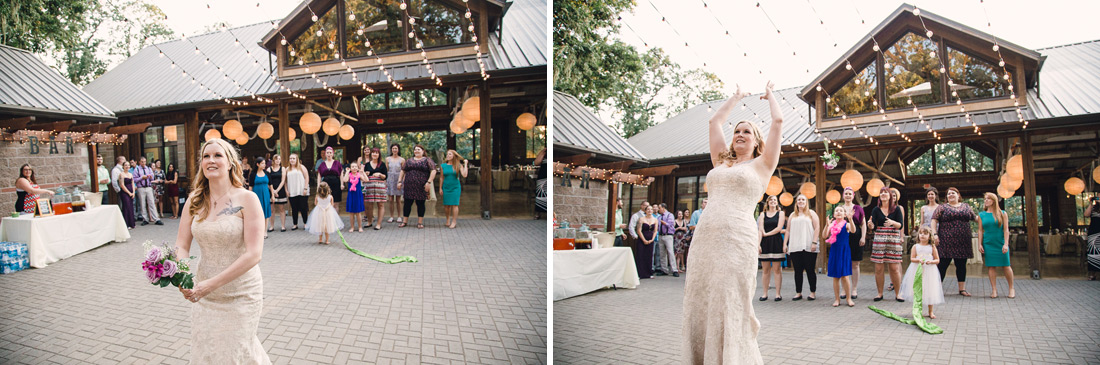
(323, 220)
(924, 253)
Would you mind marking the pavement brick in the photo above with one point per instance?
(1051, 321)
(472, 286)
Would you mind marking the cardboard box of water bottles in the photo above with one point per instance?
(13, 257)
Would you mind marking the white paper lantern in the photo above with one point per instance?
(310, 123)
(526, 121)
(331, 126)
(232, 128)
(471, 109)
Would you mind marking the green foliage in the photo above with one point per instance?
(435, 142)
(977, 73)
(911, 63)
(975, 161)
(948, 158)
(42, 25)
(856, 97)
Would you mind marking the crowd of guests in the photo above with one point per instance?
(663, 237)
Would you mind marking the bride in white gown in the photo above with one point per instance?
(720, 325)
(227, 222)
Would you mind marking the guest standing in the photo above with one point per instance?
(103, 178)
(261, 185)
(277, 176)
(247, 172)
(450, 188)
(801, 243)
(158, 186)
(993, 234)
(771, 222)
(416, 174)
(126, 194)
(929, 209)
(353, 179)
(692, 223)
(27, 190)
(858, 241)
(886, 247)
(665, 240)
(143, 178)
(297, 190)
(172, 190)
(394, 165)
(837, 236)
(633, 229)
(329, 171)
(374, 189)
(951, 222)
(647, 234)
(678, 238)
(1093, 238)
(116, 171)
(619, 224)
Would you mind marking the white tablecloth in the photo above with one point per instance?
(581, 271)
(55, 238)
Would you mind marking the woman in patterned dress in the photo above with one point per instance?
(374, 190)
(951, 222)
(27, 191)
(416, 174)
(394, 165)
(886, 247)
(1093, 212)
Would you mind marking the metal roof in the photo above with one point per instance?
(523, 39)
(29, 87)
(1069, 83)
(687, 133)
(575, 126)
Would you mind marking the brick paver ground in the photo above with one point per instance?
(1050, 322)
(478, 295)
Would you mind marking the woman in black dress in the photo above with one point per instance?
(1093, 212)
(647, 233)
(279, 199)
(771, 223)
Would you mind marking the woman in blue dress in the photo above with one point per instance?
(353, 180)
(840, 254)
(451, 187)
(262, 187)
(993, 233)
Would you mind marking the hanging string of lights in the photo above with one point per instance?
(420, 44)
(256, 62)
(194, 81)
(943, 70)
(361, 32)
(1001, 63)
(225, 76)
(477, 46)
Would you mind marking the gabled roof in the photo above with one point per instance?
(903, 13)
(576, 127)
(29, 87)
(1070, 82)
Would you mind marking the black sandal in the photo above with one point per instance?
(778, 298)
(763, 298)
(799, 297)
(811, 297)
(294, 229)
(878, 299)
(283, 230)
(843, 296)
(402, 225)
(420, 226)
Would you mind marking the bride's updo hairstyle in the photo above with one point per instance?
(759, 150)
(200, 186)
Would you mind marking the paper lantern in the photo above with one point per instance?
(775, 186)
(212, 134)
(833, 196)
(331, 126)
(471, 109)
(265, 130)
(462, 121)
(808, 189)
(232, 128)
(310, 123)
(1096, 174)
(851, 179)
(241, 139)
(347, 132)
(873, 187)
(786, 199)
(291, 134)
(1074, 185)
(1004, 192)
(1010, 183)
(1015, 167)
(526, 121)
(457, 127)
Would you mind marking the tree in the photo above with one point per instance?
(39, 25)
(588, 62)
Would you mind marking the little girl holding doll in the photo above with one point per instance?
(924, 253)
(840, 255)
(323, 220)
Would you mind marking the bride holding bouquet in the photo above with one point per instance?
(227, 222)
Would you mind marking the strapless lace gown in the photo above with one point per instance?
(224, 323)
(720, 325)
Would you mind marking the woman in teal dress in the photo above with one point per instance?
(993, 232)
(262, 187)
(451, 188)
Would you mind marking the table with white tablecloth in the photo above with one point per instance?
(54, 238)
(578, 272)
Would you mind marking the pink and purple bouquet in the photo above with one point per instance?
(163, 268)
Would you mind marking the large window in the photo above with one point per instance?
(380, 26)
(536, 140)
(1014, 206)
(857, 96)
(469, 143)
(975, 161)
(634, 195)
(912, 71)
(1082, 201)
(166, 144)
(404, 99)
(973, 77)
(947, 158)
(690, 192)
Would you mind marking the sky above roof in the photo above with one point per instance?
(190, 17)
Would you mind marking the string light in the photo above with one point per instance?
(360, 31)
(944, 70)
(224, 74)
(1001, 63)
(256, 62)
(420, 44)
(477, 46)
(200, 86)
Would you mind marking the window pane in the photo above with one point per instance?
(948, 158)
(373, 102)
(152, 136)
(976, 161)
(912, 72)
(923, 164)
(438, 24)
(377, 21)
(686, 192)
(432, 97)
(856, 96)
(402, 99)
(536, 140)
(1015, 209)
(309, 47)
(640, 194)
(1083, 201)
(975, 78)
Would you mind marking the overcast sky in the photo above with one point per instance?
(1031, 24)
(190, 17)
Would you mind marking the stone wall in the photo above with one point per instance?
(51, 170)
(578, 205)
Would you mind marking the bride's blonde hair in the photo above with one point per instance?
(200, 186)
(759, 150)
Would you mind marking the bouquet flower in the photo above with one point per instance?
(163, 268)
(830, 158)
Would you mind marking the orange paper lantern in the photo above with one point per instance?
(833, 196)
(471, 109)
(808, 189)
(331, 126)
(874, 186)
(212, 134)
(241, 139)
(1015, 167)
(232, 128)
(526, 121)
(775, 186)
(786, 199)
(851, 179)
(310, 123)
(265, 130)
(1074, 186)
(347, 132)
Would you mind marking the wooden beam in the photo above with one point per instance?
(261, 115)
(861, 163)
(615, 166)
(337, 112)
(793, 171)
(1031, 214)
(575, 160)
(91, 128)
(903, 168)
(133, 128)
(16, 123)
(284, 133)
(819, 206)
(577, 172)
(655, 171)
(58, 126)
(192, 141)
(612, 195)
(486, 151)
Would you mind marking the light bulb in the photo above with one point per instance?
(891, 79)
(283, 42)
(819, 88)
(929, 34)
(828, 99)
(943, 69)
(411, 34)
(875, 47)
(314, 17)
(916, 11)
(359, 32)
(351, 16)
(403, 6)
(319, 32)
(996, 48)
(162, 53)
(1002, 63)
(292, 53)
(848, 67)
(468, 14)
(932, 54)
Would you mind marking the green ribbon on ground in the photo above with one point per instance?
(394, 260)
(918, 319)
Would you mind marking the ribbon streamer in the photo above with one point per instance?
(918, 319)
(394, 260)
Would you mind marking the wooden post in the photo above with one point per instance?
(284, 133)
(192, 142)
(1030, 209)
(612, 199)
(486, 152)
(819, 206)
(93, 179)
